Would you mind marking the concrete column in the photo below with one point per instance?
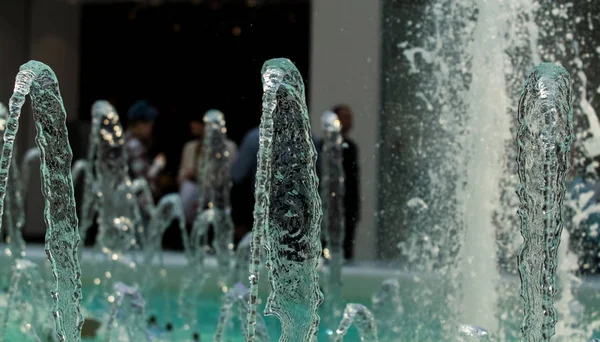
(345, 68)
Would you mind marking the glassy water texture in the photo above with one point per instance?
(469, 61)
(62, 238)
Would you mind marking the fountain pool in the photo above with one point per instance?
(360, 282)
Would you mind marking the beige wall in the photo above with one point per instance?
(345, 69)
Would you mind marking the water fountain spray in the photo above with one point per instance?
(15, 215)
(62, 238)
(287, 213)
(359, 316)
(332, 195)
(215, 185)
(544, 137)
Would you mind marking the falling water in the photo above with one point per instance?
(387, 308)
(78, 169)
(287, 213)
(38, 80)
(15, 215)
(238, 295)
(332, 195)
(128, 310)
(242, 256)
(544, 141)
(90, 191)
(359, 316)
(26, 302)
(193, 281)
(168, 210)
(488, 129)
(142, 192)
(471, 333)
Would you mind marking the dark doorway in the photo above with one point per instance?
(187, 58)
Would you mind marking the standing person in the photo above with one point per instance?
(189, 168)
(243, 175)
(352, 180)
(138, 139)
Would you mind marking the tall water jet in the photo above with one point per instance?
(91, 192)
(488, 127)
(215, 186)
(334, 226)
(544, 140)
(364, 321)
(62, 238)
(15, 216)
(287, 214)
(118, 213)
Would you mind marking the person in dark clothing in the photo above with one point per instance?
(352, 180)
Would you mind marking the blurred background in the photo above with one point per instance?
(376, 56)
(185, 57)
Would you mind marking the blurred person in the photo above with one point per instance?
(352, 180)
(138, 139)
(189, 168)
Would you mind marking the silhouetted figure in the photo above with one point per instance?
(138, 138)
(352, 181)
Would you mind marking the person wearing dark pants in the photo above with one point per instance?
(352, 179)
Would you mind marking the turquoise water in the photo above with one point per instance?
(208, 309)
(421, 320)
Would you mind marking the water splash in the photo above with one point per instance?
(143, 194)
(334, 226)
(287, 211)
(544, 140)
(359, 316)
(215, 186)
(471, 333)
(387, 309)
(193, 281)
(168, 210)
(38, 80)
(128, 310)
(242, 258)
(238, 295)
(15, 216)
(26, 302)
(78, 170)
